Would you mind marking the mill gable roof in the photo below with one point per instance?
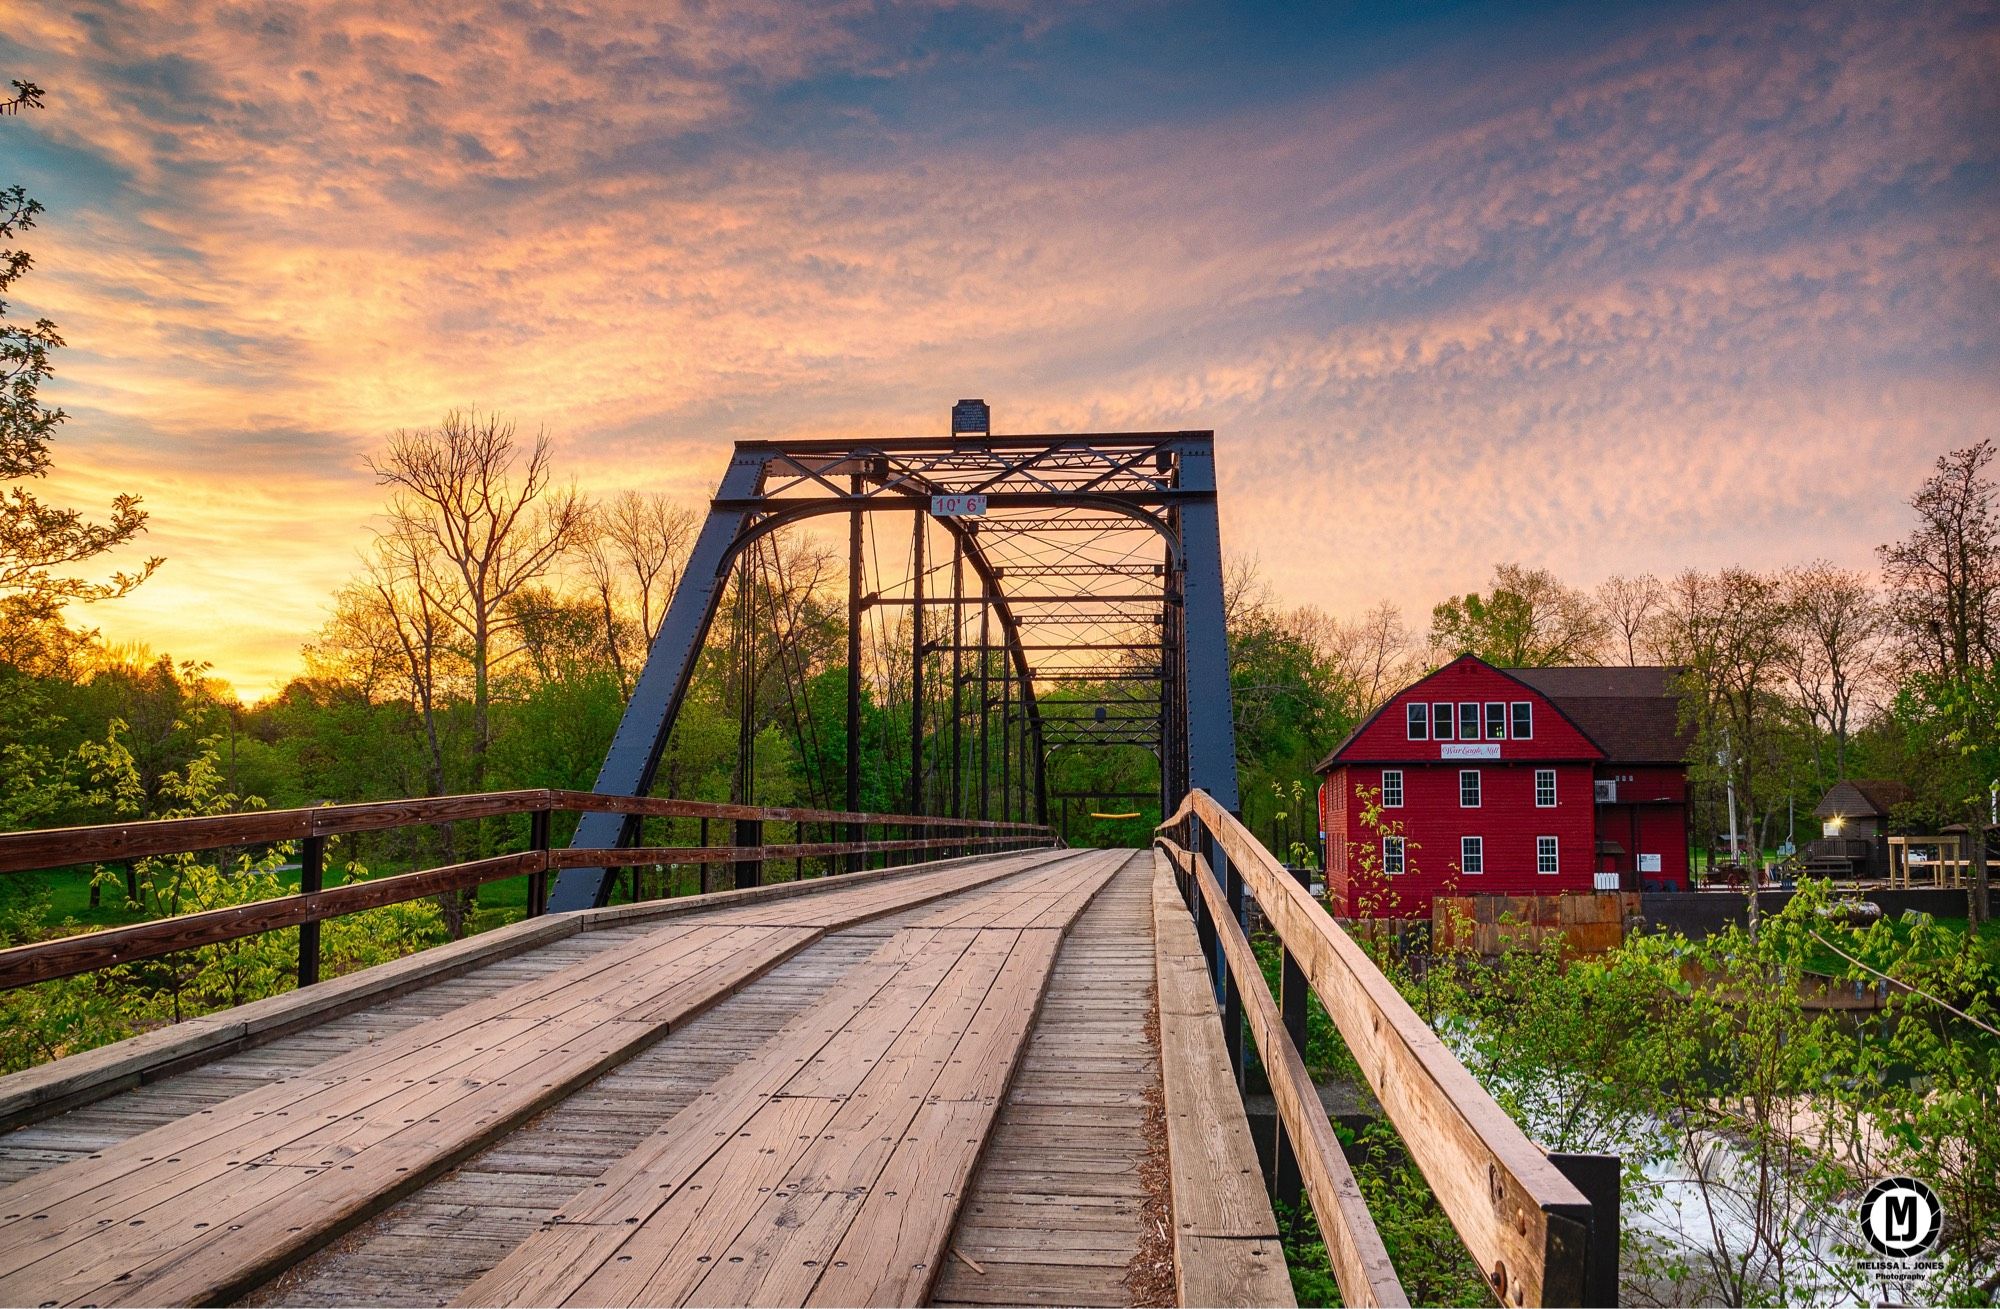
(1632, 715)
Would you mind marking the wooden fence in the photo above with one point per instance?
(310, 829)
(1532, 1231)
(1587, 924)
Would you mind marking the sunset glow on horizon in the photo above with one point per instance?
(1596, 289)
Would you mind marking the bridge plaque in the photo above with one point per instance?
(972, 418)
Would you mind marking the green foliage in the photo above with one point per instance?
(39, 542)
(1528, 620)
(1749, 1120)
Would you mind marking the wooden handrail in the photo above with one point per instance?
(1524, 1223)
(55, 847)
(67, 956)
(1354, 1247)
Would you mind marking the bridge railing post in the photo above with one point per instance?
(1287, 1185)
(749, 834)
(312, 876)
(539, 825)
(1231, 878)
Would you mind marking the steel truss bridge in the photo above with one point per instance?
(924, 1056)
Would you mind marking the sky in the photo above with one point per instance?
(1596, 288)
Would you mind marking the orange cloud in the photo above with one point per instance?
(1642, 302)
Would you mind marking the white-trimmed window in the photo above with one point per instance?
(1545, 788)
(1392, 788)
(1468, 720)
(1441, 722)
(1524, 720)
(1471, 854)
(1468, 788)
(1496, 721)
(1418, 719)
(1392, 855)
(1546, 855)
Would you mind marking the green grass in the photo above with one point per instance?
(68, 890)
(500, 902)
(1822, 960)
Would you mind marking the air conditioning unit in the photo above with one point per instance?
(1607, 791)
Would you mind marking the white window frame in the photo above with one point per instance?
(1554, 793)
(1514, 720)
(1394, 867)
(1450, 723)
(1478, 788)
(1496, 720)
(1548, 849)
(1477, 716)
(1396, 803)
(1472, 855)
(1417, 721)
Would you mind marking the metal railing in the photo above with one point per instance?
(1521, 1216)
(314, 903)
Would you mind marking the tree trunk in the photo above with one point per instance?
(1978, 895)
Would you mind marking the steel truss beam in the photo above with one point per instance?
(1124, 508)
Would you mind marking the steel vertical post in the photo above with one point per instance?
(539, 823)
(917, 666)
(749, 833)
(1211, 725)
(957, 677)
(854, 861)
(312, 870)
(985, 691)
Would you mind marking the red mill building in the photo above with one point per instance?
(1508, 781)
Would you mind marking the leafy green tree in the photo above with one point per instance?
(40, 543)
(1527, 620)
(1944, 586)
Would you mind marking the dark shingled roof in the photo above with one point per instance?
(1862, 798)
(1634, 714)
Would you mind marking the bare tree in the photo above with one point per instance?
(472, 533)
(1832, 656)
(632, 555)
(1944, 577)
(1629, 606)
(1369, 659)
(1732, 631)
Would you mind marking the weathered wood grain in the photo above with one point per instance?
(1520, 1218)
(311, 1182)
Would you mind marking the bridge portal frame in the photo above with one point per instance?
(1045, 485)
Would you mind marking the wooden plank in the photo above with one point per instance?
(1520, 1218)
(909, 1063)
(1360, 1261)
(1232, 1270)
(155, 1166)
(590, 1230)
(504, 1089)
(495, 1091)
(1218, 1185)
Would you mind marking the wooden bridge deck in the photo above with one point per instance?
(939, 1085)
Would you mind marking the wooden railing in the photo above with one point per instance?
(314, 903)
(1529, 1227)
